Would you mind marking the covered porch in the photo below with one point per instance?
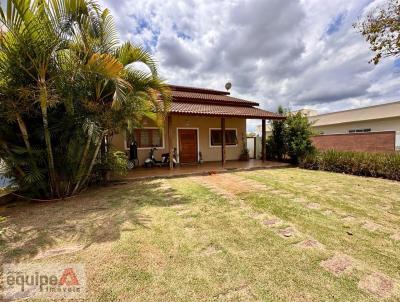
(206, 168)
(229, 116)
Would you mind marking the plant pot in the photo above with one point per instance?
(244, 157)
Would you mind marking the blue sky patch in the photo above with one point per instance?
(396, 65)
(336, 24)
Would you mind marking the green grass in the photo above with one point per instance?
(178, 240)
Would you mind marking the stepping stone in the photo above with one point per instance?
(328, 212)
(309, 243)
(210, 250)
(287, 232)
(59, 251)
(371, 226)
(272, 222)
(377, 284)
(395, 236)
(348, 219)
(338, 264)
(313, 206)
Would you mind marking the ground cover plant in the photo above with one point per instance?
(386, 165)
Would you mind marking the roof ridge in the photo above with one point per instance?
(198, 89)
(353, 109)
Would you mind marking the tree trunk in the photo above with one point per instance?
(82, 162)
(24, 132)
(89, 171)
(50, 159)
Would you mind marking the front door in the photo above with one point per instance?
(187, 145)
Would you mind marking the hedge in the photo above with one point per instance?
(384, 165)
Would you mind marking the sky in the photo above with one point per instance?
(295, 53)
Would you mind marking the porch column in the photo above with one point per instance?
(223, 141)
(170, 147)
(263, 141)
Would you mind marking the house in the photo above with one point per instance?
(373, 128)
(202, 124)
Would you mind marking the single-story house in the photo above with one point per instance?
(373, 128)
(202, 124)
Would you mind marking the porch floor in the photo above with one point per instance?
(200, 169)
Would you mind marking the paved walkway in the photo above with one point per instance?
(201, 169)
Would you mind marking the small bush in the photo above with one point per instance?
(385, 165)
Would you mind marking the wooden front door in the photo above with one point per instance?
(187, 145)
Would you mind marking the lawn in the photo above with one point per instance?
(269, 235)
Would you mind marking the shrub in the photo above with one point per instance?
(291, 138)
(297, 136)
(275, 146)
(385, 165)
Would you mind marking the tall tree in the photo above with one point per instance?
(67, 82)
(381, 29)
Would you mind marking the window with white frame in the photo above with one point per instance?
(145, 138)
(216, 137)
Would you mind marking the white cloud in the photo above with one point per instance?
(302, 53)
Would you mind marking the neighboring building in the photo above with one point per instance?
(374, 128)
(194, 124)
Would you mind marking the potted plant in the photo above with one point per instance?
(244, 156)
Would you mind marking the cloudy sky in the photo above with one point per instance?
(297, 53)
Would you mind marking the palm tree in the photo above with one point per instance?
(65, 72)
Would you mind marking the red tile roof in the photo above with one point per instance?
(222, 110)
(184, 96)
(208, 102)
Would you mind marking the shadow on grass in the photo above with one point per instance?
(98, 215)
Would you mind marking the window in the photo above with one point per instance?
(216, 137)
(360, 130)
(145, 138)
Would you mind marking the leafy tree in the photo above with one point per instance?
(276, 148)
(67, 85)
(297, 135)
(381, 29)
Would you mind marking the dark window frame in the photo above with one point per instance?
(136, 134)
(215, 137)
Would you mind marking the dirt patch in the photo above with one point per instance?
(299, 200)
(338, 264)
(59, 251)
(377, 284)
(287, 232)
(313, 206)
(371, 226)
(229, 185)
(310, 244)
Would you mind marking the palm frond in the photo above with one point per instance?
(128, 54)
